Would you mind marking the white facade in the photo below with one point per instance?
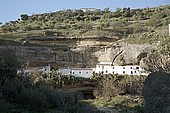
(82, 72)
(122, 70)
(64, 71)
(90, 10)
(78, 72)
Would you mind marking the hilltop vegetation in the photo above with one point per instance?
(76, 23)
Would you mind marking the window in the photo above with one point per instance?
(113, 67)
(106, 71)
(79, 71)
(137, 67)
(113, 72)
(130, 67)
(123, 67)
(73, 72)
(131, 72)
(99, 66)
(88, 72)
(135, 71)
(123, 72)
(102, 67)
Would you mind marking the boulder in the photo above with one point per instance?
(156, 92)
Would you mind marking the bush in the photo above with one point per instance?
(62, 100)
(8, 65)
(5, 107)
(33, 100)
(113, 85)
(11, 90)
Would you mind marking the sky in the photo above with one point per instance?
(11, 10)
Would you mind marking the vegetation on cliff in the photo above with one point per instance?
(76, 23)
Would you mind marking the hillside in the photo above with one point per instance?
(77, 38)
(77, 23)
(81, 39)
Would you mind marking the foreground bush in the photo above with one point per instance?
(156, 93)
(113, 85)
(40, 98)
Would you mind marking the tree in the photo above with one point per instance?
(126, 12)
(8, 65)
(118, 9)
(24, 17)
(117, 12)
(106, 10)
(79, 12)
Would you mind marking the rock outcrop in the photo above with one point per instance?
(156, 93)
(158, 62)
(81, 53)
(131, 53)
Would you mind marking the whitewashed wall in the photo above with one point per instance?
(123, 70)
(65, 71)
(78, 72)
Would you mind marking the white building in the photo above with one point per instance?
(65, 71)
(44, 69)
(82, 72)
(41, 69)
(78, 72)
(90, 10)
(107, 68)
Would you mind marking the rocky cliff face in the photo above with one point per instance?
(121, 53)
(82, 53)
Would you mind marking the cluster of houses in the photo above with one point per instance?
(102, 67)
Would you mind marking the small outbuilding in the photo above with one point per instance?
(77, 72)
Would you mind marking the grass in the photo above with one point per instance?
(120, 103)
(123, 100)
(146, 38)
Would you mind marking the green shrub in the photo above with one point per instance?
(5, 107)
(113, 85)
(33, 100)
(11, 90)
